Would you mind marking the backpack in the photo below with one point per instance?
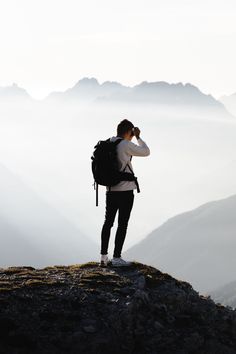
(105, 166)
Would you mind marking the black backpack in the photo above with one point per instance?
(105, 166)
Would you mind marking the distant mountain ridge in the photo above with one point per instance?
(157, 93)
(14, 92)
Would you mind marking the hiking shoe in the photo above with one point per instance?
(120, 262)
(104, 260)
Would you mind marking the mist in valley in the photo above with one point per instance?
(48, 144)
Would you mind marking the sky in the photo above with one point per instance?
(48, 45)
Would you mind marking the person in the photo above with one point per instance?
(121, 196)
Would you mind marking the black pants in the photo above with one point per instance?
(122, 201)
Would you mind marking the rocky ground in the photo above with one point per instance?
(84, 308)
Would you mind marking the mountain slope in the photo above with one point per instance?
(225, 294)
(14, 93)
(45, 233)
(198, 245)
(229, 102)
(15, 248)
(88, 89)
(83, 308)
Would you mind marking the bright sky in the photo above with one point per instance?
(48, 45)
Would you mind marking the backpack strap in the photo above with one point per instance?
(136, 179)
(117, 141)
(96, 194)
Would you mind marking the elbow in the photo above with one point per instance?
(147, 153)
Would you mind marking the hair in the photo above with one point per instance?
(124, 126)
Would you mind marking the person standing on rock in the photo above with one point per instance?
(121, 196)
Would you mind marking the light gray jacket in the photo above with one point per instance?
(126, 149)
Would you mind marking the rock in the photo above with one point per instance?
(89, 329)
(85, 309)
(193, 342)
(141, 282)
(158, 325)
(142, 295)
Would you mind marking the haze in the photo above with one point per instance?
(50, 145)
(48, 45)
(176, 62)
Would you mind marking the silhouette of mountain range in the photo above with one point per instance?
(13, 92)
(198, 245)
(159, 93)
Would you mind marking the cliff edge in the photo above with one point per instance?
(84, 308)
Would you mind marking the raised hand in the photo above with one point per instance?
(136, 132)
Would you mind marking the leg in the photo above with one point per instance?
(125, 207)
(111, 209)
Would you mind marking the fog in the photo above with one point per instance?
(49, 147)
(197, 246)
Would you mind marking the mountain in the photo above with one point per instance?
(15, 248)
(225, 294)
(33, 232)
(229, 102)
(197, 246)
(14, 93)
(161, 92)
(158, 93)
(88, 89)
(83, 308)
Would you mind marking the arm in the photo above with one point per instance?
(138, 150)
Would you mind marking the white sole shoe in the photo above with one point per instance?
(119, 262)
(104, 261)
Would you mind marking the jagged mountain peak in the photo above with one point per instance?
(14, 91)
(111, 84)
(88, 81)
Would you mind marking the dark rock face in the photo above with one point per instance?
(83, 308)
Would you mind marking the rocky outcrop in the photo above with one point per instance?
(84, 308)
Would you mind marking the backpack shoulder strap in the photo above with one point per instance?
(136, 179)
(117, 141)
(128, 165)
